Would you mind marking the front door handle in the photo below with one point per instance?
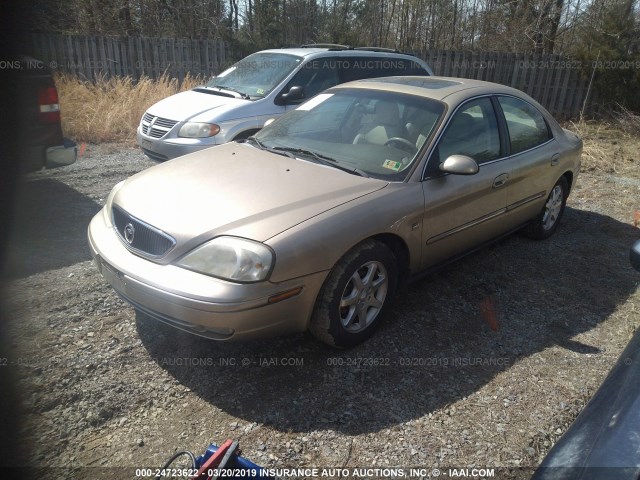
(555, 159)
(500, 180)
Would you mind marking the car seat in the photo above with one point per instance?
(386, 125)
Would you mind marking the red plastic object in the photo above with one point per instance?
(213, 461)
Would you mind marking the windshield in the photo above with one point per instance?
(257, 74)
(369, 132)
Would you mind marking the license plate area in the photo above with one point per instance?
(113, 276)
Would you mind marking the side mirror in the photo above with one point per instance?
(635, 255)
(459, 165)
(294, 94)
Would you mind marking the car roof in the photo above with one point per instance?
(447, 89)
(349, 52)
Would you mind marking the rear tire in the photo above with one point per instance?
(547, 221)
(355, 295)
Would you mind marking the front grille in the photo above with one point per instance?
(163, 122)
(139, 236)
(156, 127)
(156, 133)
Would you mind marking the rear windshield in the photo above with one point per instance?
(257, 74)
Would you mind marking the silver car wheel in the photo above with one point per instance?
(355, 295)
(363, 296)
(552, 208)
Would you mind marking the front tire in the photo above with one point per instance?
(354, 297)
(547, 221)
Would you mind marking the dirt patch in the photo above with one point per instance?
(484, 363)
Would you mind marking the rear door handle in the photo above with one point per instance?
(500, 180)
(555, 159)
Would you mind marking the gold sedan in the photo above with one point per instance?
(314, 222)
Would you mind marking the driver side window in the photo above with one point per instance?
(314, 77)
(473, 131)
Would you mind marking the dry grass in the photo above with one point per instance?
(627, 121)
(594, 155)
(610, 146)
(109, 110)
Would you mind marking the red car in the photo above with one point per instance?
(39, 114)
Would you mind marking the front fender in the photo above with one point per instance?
(316, 244)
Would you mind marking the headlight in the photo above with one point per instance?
(198, 130)
(107, 205)
(231, 258)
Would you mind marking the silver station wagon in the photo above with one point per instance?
(314, 222)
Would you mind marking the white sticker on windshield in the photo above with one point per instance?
(227, 71)
(315, 101)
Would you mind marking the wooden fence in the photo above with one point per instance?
(93, 56)
(556, 82)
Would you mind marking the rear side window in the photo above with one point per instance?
(527, 127)
(358, 68)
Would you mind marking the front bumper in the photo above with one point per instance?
(162, 149)
(198, 303)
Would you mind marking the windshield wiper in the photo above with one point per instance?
(276, 150)
(322, 159)
(211, 91)
(256, 141)
(231, 89)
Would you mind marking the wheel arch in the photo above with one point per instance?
(243, 135)
(393, 242)
(399, 249)
(326, 322)
(568, 175)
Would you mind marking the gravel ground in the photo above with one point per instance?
(483, 364)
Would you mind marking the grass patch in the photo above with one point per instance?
(610, 146)
(109, 110)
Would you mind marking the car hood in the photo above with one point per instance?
(186, 105)
(235, 189)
